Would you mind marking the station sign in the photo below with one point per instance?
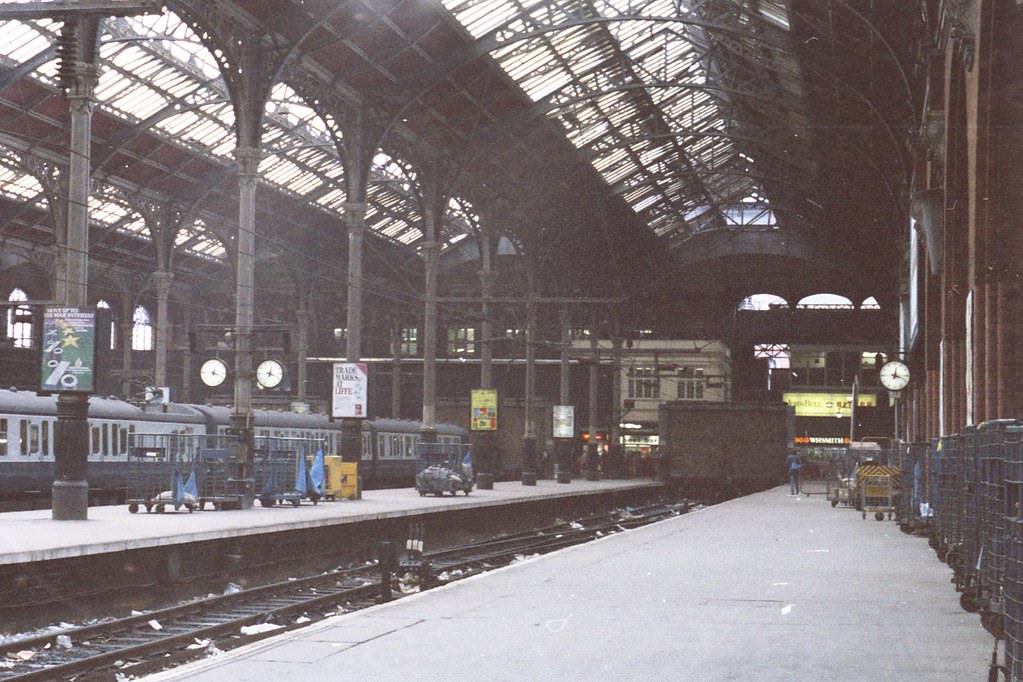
(483, 403)
(349, 388)
(68, 350)
(827, 404)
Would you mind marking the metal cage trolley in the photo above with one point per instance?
(161, 471)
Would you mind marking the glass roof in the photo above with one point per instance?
(629, 83)
(156, 73)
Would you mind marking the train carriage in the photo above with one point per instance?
(27, 440)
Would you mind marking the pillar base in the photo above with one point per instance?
(564, 477)
(70, 500)
(528, 478)
(485, 481)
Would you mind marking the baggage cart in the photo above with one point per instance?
(876, 485)
(161, 472)
(443, 468)
(282, 471)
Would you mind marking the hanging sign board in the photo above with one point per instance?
(827, 404)
(484, 410)
(69, 350)
(349, 389)
(564, 421)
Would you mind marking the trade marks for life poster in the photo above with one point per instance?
(69, 349)
(349, 389)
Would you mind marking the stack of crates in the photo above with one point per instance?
(1012, 594)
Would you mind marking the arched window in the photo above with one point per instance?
(113, 326)
(19, 321)
(142, 330)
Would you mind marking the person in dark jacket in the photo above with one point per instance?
(793, 465)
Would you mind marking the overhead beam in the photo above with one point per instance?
(54, 9)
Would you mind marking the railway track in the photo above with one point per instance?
(143, 643)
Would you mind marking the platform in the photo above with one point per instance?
(766, 587)
(30, 536)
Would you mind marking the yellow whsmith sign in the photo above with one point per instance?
(827, 404)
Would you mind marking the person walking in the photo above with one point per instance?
(793, 465)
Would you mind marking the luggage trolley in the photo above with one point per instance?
(162, 471)
(443, 468)
(876, 485)
(283, 472)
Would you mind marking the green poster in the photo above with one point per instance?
(69, 349)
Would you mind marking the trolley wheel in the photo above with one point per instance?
(133, 508)
(878, 516)
(968, 603)
(422, 493)
(216, 506)
(295, 503)
(834, 502)
(160, 509)
(864, 514)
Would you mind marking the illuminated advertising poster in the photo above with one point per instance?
(349, 390)
(564, 421)
(484, 409)
(69, 350)
(827, 404)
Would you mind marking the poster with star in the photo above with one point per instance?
(69, 349)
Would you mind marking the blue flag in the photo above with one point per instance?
(191, 487)
(179, 490)
(316, 473)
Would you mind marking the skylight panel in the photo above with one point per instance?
(138, 103)
(105, 211)
(334, 199)
(480, 17)
(21, 41)
(18, 184)
(620, 171)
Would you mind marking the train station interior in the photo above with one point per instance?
(533, 237)
(733, 200)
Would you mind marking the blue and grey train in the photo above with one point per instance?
(27, 440)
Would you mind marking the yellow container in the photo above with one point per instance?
(342, 478)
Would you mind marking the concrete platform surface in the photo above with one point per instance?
(767, 587)
(34, 536)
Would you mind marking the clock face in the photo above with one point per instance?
(213, 372)
(894, 375)
(269, 373)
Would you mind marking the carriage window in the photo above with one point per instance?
(3, 437)
(410, 446)
(22, 436)
(106, 440)
(33, 438)
(46, 438)
(124, 440)
(115, 433)
(95, 440)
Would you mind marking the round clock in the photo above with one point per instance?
(894, 375)
(213, 372)
(270, 373)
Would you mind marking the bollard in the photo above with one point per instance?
(385, 560)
